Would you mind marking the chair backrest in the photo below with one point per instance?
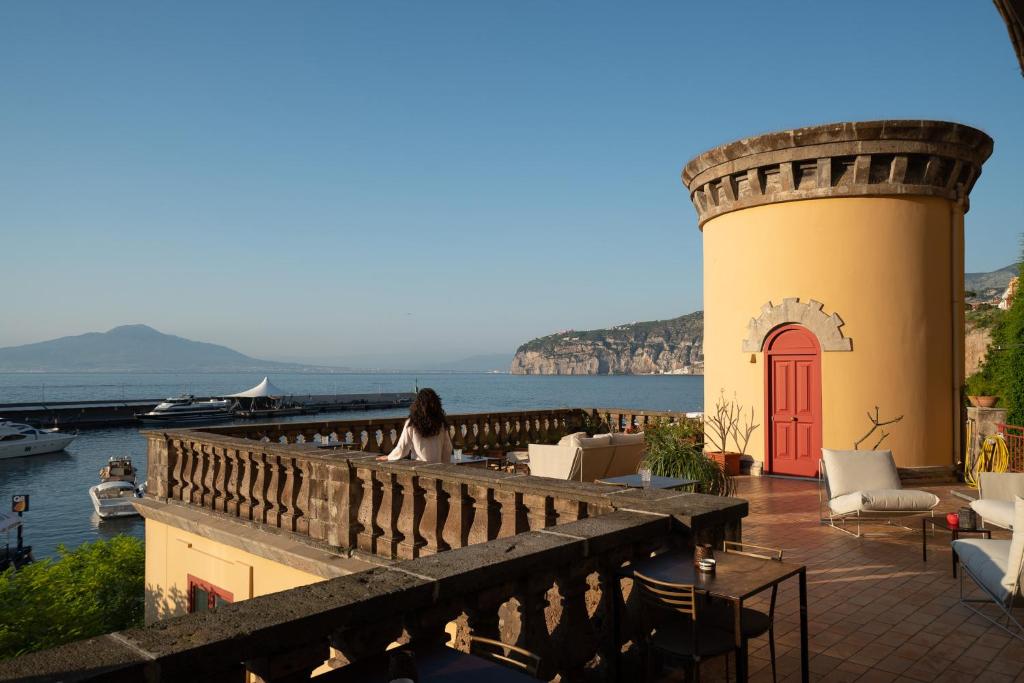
(630, 450)
(594, 462)
(1001, 485)
(503, 653)
(750, 550)
(849, 471)
(675, 597)
(558, 462)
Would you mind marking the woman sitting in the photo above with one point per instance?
(425, 435)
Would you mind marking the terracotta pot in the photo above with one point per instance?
(730, 462)
(984, 401)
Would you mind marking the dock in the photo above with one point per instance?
(99, 414)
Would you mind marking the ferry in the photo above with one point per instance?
(185, 409)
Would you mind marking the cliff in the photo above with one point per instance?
(659, 346)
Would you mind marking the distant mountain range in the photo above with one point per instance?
(134, 348)
(997, 279)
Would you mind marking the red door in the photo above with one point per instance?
(793, 392)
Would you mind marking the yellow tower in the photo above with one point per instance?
(833, 283)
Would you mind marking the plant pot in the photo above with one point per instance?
(729, 462)
(984, 401)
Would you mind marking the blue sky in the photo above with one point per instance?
(358, 182)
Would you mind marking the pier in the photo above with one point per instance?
(99, 414)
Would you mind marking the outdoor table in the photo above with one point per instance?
(433, 663)
(954, 531)
(480, 460)
(736, 578)
(635, 481)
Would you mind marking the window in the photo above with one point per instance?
(12, 437)
(204, 596)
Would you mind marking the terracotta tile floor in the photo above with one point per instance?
(877, 612)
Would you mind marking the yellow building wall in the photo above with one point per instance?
(172, 554)
(892, 268)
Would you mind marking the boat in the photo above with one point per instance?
(186, 409)
(118, 469)
(17, 440)
(114, 499)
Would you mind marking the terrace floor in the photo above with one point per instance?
(877, 612)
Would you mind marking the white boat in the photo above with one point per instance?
(184, 409)
(114, 499)
(118, 469)
(17, 440)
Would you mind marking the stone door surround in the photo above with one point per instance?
(825, 327)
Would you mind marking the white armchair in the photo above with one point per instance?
(996, 493)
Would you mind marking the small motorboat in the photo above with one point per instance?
(114, 499)
(186, 409)
(118, 469)
(18, 439)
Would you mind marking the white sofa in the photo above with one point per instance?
(996, 493)
(866, 485)
(581, 458)
(995, 565)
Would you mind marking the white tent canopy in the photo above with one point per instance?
(262, 390)
(9, 520)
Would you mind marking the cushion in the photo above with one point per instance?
(1001, 485)
(598, 441)
(627, 439)
(997, 512)
(850, 471)
(986, 560)
(884, 500)
(594, 463)
(1016, 556)
(572, 439)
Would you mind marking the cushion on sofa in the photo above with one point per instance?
(1001, 485)
(885, 500)
(993, 511)
(850, 471)
(572, 438)
(598, 441)
(985, 558)
(1016, 556)
(627, 439)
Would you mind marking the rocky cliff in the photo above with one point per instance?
(659, 346)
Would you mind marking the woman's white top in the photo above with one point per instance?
(436, 448)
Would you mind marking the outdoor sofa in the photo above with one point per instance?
(864, 486)
(996, 493)
(581, 458)
(995, 567)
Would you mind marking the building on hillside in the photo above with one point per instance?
(833, 283)
(1006, 300)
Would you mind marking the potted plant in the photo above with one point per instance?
(720, 425)
(676, 450)
(982, 390)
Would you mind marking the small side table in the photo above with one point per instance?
(955, 532)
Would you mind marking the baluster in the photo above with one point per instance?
(303, 471)
(230, 503)
(458, 438)
(199, 450)
(540, 511)
(567, 510)
(485, 517)
(387, 515)
(388, 442)
(218, 483)
(513, 514)
(245, 501)
(410, 515)
(343, 495)
(460, 514)
(178, 474)
(288, 493)
(368, 531)
(273, 495)
(435, 514)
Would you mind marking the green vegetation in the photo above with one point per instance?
(984, 318)
(1002, 374)
(676, 450)
(94, 589)
(688, 325)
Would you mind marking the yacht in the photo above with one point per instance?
(113, 496)
(17, 440)
(186, 408)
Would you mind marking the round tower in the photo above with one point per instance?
(833, 284)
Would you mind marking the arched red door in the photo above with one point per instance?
(793, 401)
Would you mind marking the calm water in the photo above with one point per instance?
(61, 511)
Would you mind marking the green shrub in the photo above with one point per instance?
(94, 589)
(982, 384)
(676, 450)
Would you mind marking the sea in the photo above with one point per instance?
(61, 512)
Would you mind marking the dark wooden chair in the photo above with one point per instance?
(676, 630)
(753, 623)
(503, 653)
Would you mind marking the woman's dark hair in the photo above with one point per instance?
(426, 413)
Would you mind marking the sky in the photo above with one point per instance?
(397, 182)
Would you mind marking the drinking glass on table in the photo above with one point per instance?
(645, 477)
(457, 454)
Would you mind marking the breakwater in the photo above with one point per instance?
(101, 414)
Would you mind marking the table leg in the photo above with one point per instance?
(953, 536)
(924, 539)
(805, 665)
(741, 645)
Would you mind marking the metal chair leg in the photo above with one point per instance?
(771, 648)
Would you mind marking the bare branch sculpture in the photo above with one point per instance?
(721, 423)
(876, 423)
(742, 430)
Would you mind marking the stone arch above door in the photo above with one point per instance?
(825, 327)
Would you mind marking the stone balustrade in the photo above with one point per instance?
(554, 591)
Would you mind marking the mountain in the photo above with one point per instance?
(131, 348)
(997, 279)
(659, 346)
